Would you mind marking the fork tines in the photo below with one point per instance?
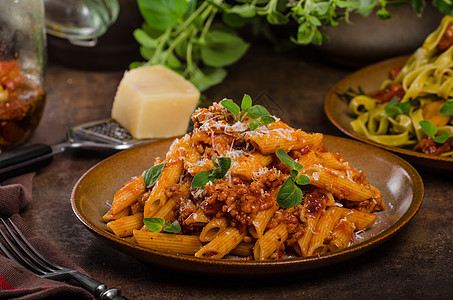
(19, 249)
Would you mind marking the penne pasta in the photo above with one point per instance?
(125, 225)
(222, 244)
(174, 243)
(227, 189)
(270, 242)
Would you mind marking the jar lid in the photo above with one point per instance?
(80, 21)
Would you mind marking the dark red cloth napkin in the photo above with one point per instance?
(16, 282)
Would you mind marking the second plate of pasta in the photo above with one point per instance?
(95, 190)
(369, 79)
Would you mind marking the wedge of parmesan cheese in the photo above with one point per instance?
(154, 102)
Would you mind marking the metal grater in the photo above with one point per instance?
(103, 131)
(104, 134)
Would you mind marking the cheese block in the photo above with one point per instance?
(154, 102)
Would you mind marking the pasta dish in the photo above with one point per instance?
(245, 183)
(413, 108)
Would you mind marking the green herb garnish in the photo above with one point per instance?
(431, 130)
(221, 168)
(198, 39)
(257, 113)
(152, 175)
(395, 108)
(290, 194)
(159, 224)
(447, 108)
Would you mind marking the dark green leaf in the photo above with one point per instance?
(256, 112)
(418, 6)
(441, 138)
(154, 224)
(209, 77)
(221, 168)
(277, 18)
(225, 164)
(284, 157)
(222, 48)
(254, 125)
(267, 120)
(231, 107)
(289, 194)
(162, 14)
(234, 20)
(152, 175)
(395, 108)
(244, 10)
(428, 128)
(444, 6)
(246, 102)
(201, 179)
(302, 180)
(172, 227)
(447, 108)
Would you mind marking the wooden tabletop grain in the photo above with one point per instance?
(417, 262)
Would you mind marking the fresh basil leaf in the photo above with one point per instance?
(152, 175)
(144, 39)
(201, 179)
(302, 180)
(289, 194)
(264, 120)
(234, 20)
(294, 174)
(162, 14)
(284, 157)
(444, 6)
(277, 18)
(447, 108)
(244, 10)
(441, 138)
(147, 53)
(222, 48)
(428, 128)
(154, 224)
(246, 102)
(256, 112)
(207, 78)
(254, 125)
(172, 227)
(231, 107)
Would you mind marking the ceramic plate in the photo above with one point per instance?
(370, 78)
(399, 182)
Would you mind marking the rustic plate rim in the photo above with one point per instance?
(236, 267)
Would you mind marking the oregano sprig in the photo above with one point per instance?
(220, 170)
(258, 114)
(159, 224)
(152, 175)
(290, 194)
(431, 130)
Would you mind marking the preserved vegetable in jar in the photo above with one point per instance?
(21, 105)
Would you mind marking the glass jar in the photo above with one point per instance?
(22, 70)
(23, 54)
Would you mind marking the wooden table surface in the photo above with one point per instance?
(417, 262)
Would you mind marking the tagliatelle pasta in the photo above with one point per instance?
(239, 210)
(420, 116)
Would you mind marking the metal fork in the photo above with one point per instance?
(24, 253)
